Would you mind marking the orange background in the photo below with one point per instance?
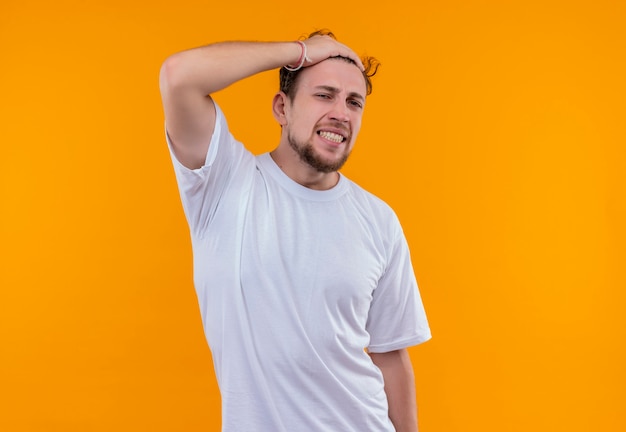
(495, 129)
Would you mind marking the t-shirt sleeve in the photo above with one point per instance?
(397, 318)
(202, 189)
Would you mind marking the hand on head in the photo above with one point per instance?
(320, 47)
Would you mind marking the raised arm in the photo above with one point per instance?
(188, 78)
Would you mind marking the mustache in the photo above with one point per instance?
(341, 126)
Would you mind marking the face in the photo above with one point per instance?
(324, 117)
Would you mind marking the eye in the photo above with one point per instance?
(355, 103)
(323, 96)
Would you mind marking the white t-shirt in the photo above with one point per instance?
(293, 285)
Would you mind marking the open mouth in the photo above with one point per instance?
(332, 136)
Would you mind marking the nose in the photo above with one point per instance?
(340, 112)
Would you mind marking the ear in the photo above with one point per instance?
(279, 108)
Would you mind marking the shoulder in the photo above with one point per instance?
(375, 205)
(376, 214)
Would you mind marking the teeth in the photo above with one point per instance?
(331, 136)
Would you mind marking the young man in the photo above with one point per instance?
(304, 280)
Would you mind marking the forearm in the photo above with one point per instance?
(214, 67)
(400, 388)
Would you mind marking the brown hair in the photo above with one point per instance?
(288, 79)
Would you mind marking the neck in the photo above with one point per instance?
(301, 172)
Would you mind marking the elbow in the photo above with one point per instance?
(181, 74)
(170, 75)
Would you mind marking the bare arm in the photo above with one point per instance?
(400, 388)
(188, 78)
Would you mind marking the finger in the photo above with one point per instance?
(359, 63)
(356, 59)
(349, 53)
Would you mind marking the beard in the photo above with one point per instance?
(312, 158)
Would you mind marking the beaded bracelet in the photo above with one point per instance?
(301, 60)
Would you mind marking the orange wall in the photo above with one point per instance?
(495, 130)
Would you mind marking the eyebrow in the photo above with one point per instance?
(335, 90)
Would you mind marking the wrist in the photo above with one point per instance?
(301, 59)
